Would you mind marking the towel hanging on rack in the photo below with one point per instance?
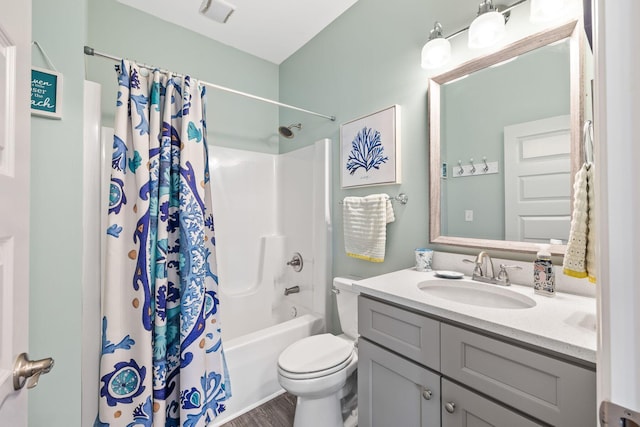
(365, 226)
(579, 259)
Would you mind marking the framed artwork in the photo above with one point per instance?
(370, 149)
(46, 93)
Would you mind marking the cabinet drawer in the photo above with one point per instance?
(474, 410)
(554, 391)
(409, 334)
(393, 391)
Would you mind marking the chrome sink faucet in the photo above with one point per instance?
(481, 273)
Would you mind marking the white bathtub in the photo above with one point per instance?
(252, 361)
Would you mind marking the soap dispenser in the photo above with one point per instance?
(544, 278)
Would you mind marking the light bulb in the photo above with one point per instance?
(436, 53)
(486, 30)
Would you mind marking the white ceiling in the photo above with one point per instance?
(268, 29)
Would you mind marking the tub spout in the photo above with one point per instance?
(292, 290)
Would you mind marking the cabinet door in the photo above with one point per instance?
(393, 391)
(549, 389)
(414, 336)
(464, 408)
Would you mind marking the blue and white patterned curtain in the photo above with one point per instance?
(162, 362)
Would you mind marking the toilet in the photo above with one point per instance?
(320, 370)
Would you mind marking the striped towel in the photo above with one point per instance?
(365, 226)
(579, 259)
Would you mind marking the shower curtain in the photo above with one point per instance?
(162, 362)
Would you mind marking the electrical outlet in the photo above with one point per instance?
(468, 215)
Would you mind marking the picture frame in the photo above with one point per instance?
(370, 149)
(46, 93)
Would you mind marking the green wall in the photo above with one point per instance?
(56, 220)
(233, 121)
(366, 60)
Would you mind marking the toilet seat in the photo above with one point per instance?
(315, 356)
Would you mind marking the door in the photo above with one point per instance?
(617, 127)
(537, 180)
(15, 60)
(393, 391)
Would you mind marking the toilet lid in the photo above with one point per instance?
(315, 353)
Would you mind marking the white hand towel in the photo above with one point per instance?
(579, 259)
(365, 226)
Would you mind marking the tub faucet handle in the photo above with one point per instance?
(296, 262)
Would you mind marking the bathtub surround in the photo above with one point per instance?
(162, 357)
(280, 206)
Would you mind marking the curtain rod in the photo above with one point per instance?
(92, 52)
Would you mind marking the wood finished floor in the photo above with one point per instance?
(277, 412)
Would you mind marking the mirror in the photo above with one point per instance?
(505, 142)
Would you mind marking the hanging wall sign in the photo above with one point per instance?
(46, 93)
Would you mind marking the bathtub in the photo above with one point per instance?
(252, 362)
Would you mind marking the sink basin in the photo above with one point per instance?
(475, 293)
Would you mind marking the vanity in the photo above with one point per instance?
(430, 360)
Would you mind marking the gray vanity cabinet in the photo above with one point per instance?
(394, 391)
(415, 370)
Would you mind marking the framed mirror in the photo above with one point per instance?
(505, 143)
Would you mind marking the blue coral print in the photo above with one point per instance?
(162, 359)
(367, 151)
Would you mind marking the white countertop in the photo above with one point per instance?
(564, 324)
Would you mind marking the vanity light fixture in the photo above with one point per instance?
(488, 27)
(437, 51)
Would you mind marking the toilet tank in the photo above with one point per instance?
(347, 302)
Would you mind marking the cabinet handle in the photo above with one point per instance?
(426, 393)
(450, 407)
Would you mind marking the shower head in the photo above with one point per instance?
(286, 130)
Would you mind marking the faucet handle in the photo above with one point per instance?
(477, 271)
(503, 276)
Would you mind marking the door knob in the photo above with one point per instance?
(450, 407)
(28, 372)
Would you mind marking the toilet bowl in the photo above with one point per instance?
(316, 369)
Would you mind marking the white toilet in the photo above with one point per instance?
(320, 369)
